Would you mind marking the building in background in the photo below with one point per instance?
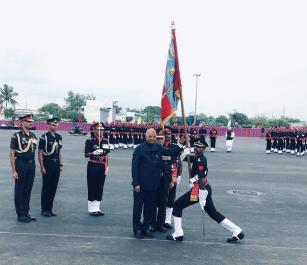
(99, 110)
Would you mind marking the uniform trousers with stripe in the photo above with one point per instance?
(50, 183)
(95, 180)
(184, 202)
(23, 186)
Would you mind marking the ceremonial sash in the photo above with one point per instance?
(194, 192)
(174, 173)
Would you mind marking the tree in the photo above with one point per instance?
(89, 97)
(152, 113)
(73, 116)
(221, 119)
(74, 101)
(51, 109)
(7, 95)
(260, 121)
(240, 119)
(9, 113)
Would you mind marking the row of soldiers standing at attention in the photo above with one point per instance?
(22, 158)
(125, 135)
(288, 140)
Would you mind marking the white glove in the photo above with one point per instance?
(194, 179)
(180, 145)
(185, 153)
(178, 180)
(98, 152)
(202, 195)
(106, 146)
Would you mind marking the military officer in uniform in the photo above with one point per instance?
(229, 139)
(213, 136)
(200, 192)
(51, 163)
(176, 169)
(96, 149)
(268, 138)
(22, 154)
(202, 134)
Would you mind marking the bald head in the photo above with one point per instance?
(151, 136)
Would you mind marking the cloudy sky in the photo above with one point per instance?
(252, 55)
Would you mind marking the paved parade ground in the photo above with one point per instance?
(266, 195)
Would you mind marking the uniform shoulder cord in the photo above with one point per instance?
(21, 150)
(55, 145)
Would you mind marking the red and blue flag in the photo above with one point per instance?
(172, 83)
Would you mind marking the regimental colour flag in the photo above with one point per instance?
(172, 83)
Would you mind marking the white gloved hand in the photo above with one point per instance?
(106, 146)
(178, 180)
(202, 195)
(185, 153)
(98, 152)
(194, 179)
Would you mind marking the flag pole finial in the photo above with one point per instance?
(173, 24)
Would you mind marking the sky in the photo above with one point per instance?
(252, 55)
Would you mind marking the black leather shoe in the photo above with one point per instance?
(178, 238)
(94, 214)
(46, 214)
(235, 239)
(33, 219)
(151, 228)
(100, 213)
(146, 233)
(168, 226)
(161, 229)
(138, 234)
(23, 219)
(53, 214)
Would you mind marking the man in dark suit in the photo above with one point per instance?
(146, 176)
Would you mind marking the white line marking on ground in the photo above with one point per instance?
(159, 240)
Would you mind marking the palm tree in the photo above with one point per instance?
(7, 95)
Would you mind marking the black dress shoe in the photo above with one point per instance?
(23, 219)
(100, 213)
(161, 229)
(168, 226)
(234, 239)
(94, 214)
(138, 234)
(146, 233)
(53, 214)
(33, 219)
(46, 214)
(151, 228)
(178, 238)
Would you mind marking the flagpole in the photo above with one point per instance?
(181, 103)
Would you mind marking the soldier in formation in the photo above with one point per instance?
(51, 163)
(286, 140)
(200, 192)
(22, 159)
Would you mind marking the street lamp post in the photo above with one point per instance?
(196, 80)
